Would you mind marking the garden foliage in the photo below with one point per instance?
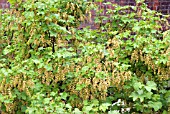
(48, 65)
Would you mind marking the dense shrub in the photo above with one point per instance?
(47, 65)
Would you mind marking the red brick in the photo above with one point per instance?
(3, 1)
(159, 5)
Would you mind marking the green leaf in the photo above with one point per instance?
(148, 95)
(85, 68)
(77, 111)
(139, 107)
(53, 33)
(4, 71)
(8, 101)
(1, 98)
(47, 100)
(87, 109)
(156, 97)
(68, 106)
(57, 16)
(64, 95)
(137, 85)
(140, 92)
(104, 106)
(134, 95)
(23, 108)
(150, 85)
(21, 95)
(95, 102)
(141, 97)
(140, 1)
(155, 105)
(48, 67)
(36, 61)
(31, 110)
(80, 86)
(136, 28)
(7, 50)
(85, 102)
(52, 93)
(29, 14)
(165, 112)
(12, 1)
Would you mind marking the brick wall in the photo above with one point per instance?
(159, 5)
(4, 4)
